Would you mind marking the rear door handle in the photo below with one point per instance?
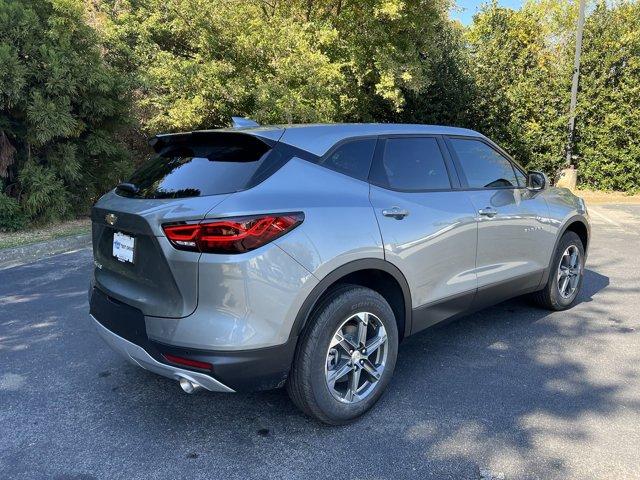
(488, 212)
(395, 212)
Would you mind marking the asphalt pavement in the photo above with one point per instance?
(512, 392)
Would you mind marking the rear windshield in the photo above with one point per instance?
(226, 164)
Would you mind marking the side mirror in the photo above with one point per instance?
(537, 181)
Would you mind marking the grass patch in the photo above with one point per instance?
(41, 234)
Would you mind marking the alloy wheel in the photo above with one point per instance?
(356, 357)
(569, 272)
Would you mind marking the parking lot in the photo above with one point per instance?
(511, 392)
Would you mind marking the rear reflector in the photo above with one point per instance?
(231, 235)
(187, 362)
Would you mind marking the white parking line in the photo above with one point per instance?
(601, 215)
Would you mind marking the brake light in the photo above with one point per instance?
(231, 235)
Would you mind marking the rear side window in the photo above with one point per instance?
(411, 164)
(352, 158)
(483, 166)
(226, 164)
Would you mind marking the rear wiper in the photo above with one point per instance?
(128, 187)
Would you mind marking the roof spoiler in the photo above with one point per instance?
(240, 122)
(160, 141)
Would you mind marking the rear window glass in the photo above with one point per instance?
(411, 164)
(352, 158)
(225, 165)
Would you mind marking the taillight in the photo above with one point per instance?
(231, 235)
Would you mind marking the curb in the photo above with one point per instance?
(14, 256)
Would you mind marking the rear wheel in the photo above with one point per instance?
(346, 356)
(566, 276)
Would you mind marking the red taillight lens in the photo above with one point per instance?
(187, 362)
(232, 235)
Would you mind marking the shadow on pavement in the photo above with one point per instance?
(463, 394)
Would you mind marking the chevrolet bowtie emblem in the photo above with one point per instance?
(111, 218)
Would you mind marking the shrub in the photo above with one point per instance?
(62, 108)
(11, 215)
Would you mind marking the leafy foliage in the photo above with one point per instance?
(61, 108)
(609, 106)
(82, 83)
(201, 61)
(521, 64)
(522, 72)
(11, 216)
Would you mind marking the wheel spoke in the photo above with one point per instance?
(347, 344)
(573, 282)
(374, 372)
(574, 258)
(373, 344)
(564, 285)
(354, 381)
(338, 373)
(362, 328)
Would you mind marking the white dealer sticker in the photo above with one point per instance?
(123, 247)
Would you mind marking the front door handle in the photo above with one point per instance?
(395, 212)
(488, 212)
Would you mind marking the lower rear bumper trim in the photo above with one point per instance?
(138, 356)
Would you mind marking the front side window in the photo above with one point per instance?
(483, 166)
(522, 178)
(411, 164)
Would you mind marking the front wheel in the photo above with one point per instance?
(566, 276)
(346, 356)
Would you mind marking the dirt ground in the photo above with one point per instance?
(41, 234)
(595, 197)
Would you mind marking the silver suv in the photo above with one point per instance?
(253, 258)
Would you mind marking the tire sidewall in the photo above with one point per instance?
(328, 321)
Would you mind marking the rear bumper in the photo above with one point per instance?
(138, 356)
(123, 328)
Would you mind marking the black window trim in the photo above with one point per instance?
(464, 184)
(448, 164)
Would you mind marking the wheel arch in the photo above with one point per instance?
(577, 224)
(580, 228)
(377, 274)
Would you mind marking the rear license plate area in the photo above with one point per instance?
(124, 247)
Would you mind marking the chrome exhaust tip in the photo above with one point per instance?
(189, 386)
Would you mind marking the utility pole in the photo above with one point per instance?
(574, 84)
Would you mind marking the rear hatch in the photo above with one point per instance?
(189, 175)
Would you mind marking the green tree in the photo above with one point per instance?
(608, 114)
(198, 62)
(61, 108)
(520, 63)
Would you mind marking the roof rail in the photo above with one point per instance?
(239, 122)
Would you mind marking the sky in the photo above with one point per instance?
(466, 8)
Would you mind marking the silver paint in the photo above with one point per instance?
(441, 243)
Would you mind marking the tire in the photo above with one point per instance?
(550, 297)
(316, 361)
